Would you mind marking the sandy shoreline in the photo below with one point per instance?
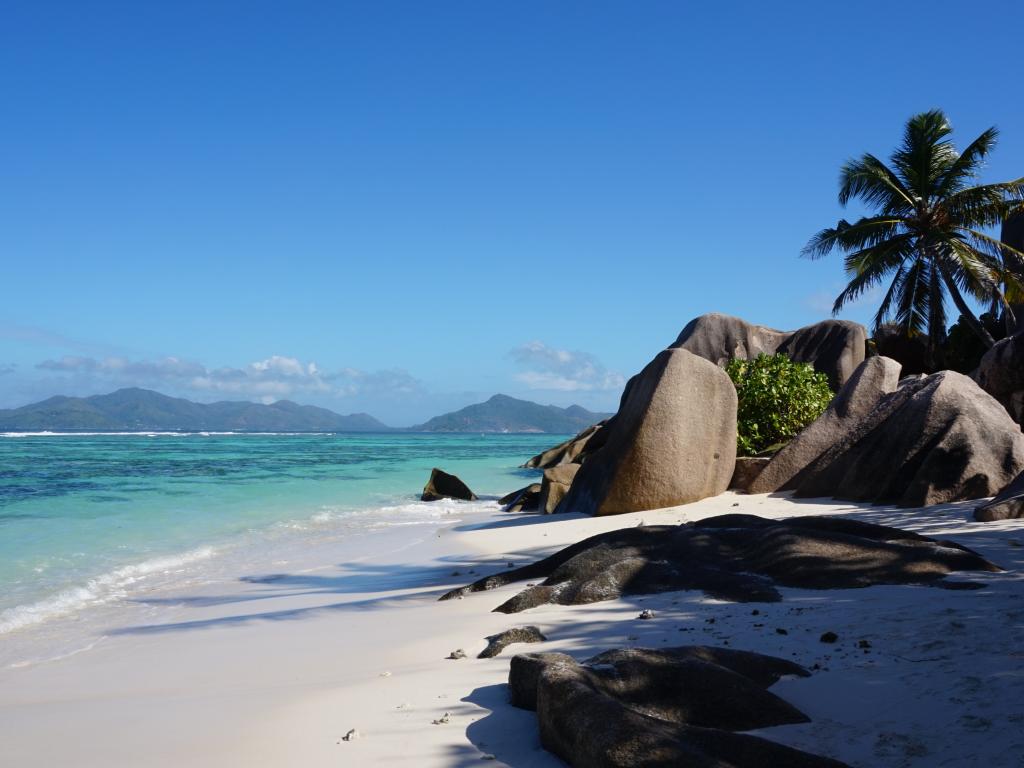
(274, 670)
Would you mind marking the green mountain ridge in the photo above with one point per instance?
(136, 409)
(502, 413)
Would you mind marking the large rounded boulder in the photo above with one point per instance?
(1001, 374)
(935, 439)
(833, 347)
(672, 442)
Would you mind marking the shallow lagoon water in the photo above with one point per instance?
(87, 521)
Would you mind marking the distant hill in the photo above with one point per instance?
(132, 410)
(507, 414)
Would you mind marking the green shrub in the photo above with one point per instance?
(777, 398)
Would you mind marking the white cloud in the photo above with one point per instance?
(559, 369)
(271, 379)
(6, 368)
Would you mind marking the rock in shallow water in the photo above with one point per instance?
(645, 708)
(732, 557)
(442, 485)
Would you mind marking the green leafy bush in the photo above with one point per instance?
(777, 398)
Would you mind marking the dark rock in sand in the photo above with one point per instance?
(659, 708)
(524, 500)
(673, 440)
(572, 451)
(736, 557)
(833, 347)
(1001, 374)
(499, 642)
(935, 440)
(748, 468)
(555, 486)
(441, 485)
(1008, 504)
(875, 377)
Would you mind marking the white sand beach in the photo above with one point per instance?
(274, 670)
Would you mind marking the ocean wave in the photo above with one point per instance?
(101, 589)
(156, 433)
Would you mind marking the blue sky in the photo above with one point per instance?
(402, 207)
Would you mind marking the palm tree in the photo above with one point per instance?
(927, 232)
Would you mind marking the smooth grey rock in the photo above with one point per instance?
(748, 468)
(555, 486)
(524, 500)
(673, 440)
(833, 347)
(736, 557)
(572, 451)
(936, 440)
(1008, 504)
(442, 485)
(1001, 374)
(874, 378)
(499, 642)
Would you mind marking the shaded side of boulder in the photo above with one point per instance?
(748, 468)
(555, 486)
(936, 440)
(742, 558)
(442, 485)
(673, 441)
(572, 450)
(1001, 374)
(1008, 504)
(875, 377)
(638, 711)
(833, 347)
(524, 500)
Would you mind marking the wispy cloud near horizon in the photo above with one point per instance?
(275, 377)
(561, 370)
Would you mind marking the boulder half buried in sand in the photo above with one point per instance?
(934, 440)
(660, 708)
(742, 558)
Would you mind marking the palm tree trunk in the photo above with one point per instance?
(965, 312)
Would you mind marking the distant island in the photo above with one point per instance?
(507, 414)
(130, 410)
(135, 410)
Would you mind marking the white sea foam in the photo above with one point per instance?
(105, 588)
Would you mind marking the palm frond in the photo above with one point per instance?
(926, 154)
(873, 182)
(864, 233)
(968, 163)
(986, 205)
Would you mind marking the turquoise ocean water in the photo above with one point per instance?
(87, 520)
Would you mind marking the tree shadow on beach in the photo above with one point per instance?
(386, 584)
